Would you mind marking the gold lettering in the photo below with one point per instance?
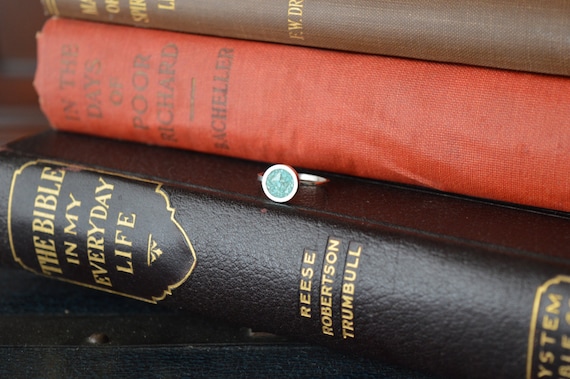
(554, 307)
(353, 264)
(295, 4)
(92, 241)
(139, 11)
(545, 339)
(307, 272)
(50, 191)
(105, 280)
(355, 253)
(347, 301)
(102, 199)
(326, 301)
(89, 7)
(564, 371)
(309, 257)
(46, 200)
(305, 298)
(56, 175)
(550, 323)
(96, 262)
(331, 257)
(71, 256)
(326, 291)
(544, 372)
(49, 216)
(71, 219)
(327, 281)
(326, 321)
(565, 342)
(43, 225)
(546, 357)
(74, 203)
(347, 328)
(128, 261)
(305, 285)
(348, 288)
(349, 275)
(327, 330)
(121, 239)
(167, 4)
(333, 245)
(294, 27)
(94, 229)
(52, 175)
(99, 275)
(295, 19)
(99, 212)
(46, 254)
(112, 6)
(328, 270)
(96, 256)
(104, 186)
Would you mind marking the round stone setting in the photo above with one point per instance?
(280, 183)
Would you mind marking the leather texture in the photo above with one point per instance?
(443, 284)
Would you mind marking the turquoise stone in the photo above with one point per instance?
(280, 183)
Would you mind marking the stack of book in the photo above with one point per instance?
(427, 148)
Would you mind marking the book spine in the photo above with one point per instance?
(529, 36)
(361, 287)
(481, 132)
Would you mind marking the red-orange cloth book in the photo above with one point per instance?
(475, 131)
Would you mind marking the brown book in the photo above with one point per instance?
(530, 35)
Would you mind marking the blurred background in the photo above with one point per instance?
(19, 110)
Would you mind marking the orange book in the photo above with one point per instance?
(475, 131)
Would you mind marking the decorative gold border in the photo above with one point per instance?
(158, 190)
(9, 220)
(535, 309)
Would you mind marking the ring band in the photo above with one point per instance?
(310, 179)
(280, 182)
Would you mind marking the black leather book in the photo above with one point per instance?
(451, 286)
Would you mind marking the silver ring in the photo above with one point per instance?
(280, 182)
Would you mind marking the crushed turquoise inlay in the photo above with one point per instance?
(280, 183)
